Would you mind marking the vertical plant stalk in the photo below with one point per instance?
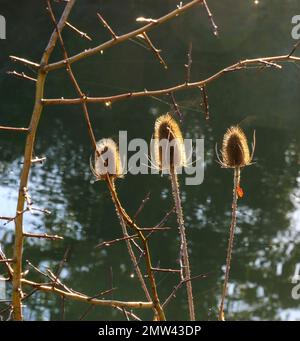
(155, 299)
(184, 255)
(130, 250)
(30, 140)
(236, 181)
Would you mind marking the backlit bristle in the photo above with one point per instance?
(107, 160)
(168, 144)
(235, 150)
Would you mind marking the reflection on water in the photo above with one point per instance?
(266, 250)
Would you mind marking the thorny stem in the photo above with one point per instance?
(36, 114)
(230, 242)
(84, 298)
(124, 37)
(184, 255)
(130, 250)
(155, 299)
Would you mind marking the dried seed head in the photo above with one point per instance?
(169, 150)
(107, 160)
(235, 150)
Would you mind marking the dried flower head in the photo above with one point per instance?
(107, 160)
(235, 151)
(169, 150)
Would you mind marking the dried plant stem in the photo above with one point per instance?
(155, 299)
(84, 298)
(230, 242)
(184, 255)
(131, 252)
(38, 107)
(13, 129)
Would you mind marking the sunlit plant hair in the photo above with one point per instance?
(169, 150)
(170, 156)
(107, 160)
(235, 154)
(235, 150)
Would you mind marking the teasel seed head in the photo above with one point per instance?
(169, 150)
(107, 160)
(235, 151)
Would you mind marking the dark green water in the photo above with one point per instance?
(266, 250)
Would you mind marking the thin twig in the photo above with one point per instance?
(105, 24)
(86, 299)
(166, 270)
(82, 34)
(42, 236)
(211, 18)
(14, 129)
(176, 107)
(142, 205)
(155, 50)
(205, 101)
(294, 48)
(179, 285)
(21, 75)
(24, 61)
(114, 241)
(188, 66)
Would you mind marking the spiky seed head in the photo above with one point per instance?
(235, 150)
(169, 150)
(107, 160)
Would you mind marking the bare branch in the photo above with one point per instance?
(82, 34)
(86, 299)
(179, 285)
(205, 101)
(13, 129)
(105, 24)
(176, 107)
(24, 61)
(21, 75)
(247, 63)
(211, 18)
(178, 11)
(42, 236)
(155, 50)
(114, 241)
(166, 270)
(145, 200)
(189, 63)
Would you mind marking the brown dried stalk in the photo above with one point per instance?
(87, 299)
(37, 110)
(128, 221)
